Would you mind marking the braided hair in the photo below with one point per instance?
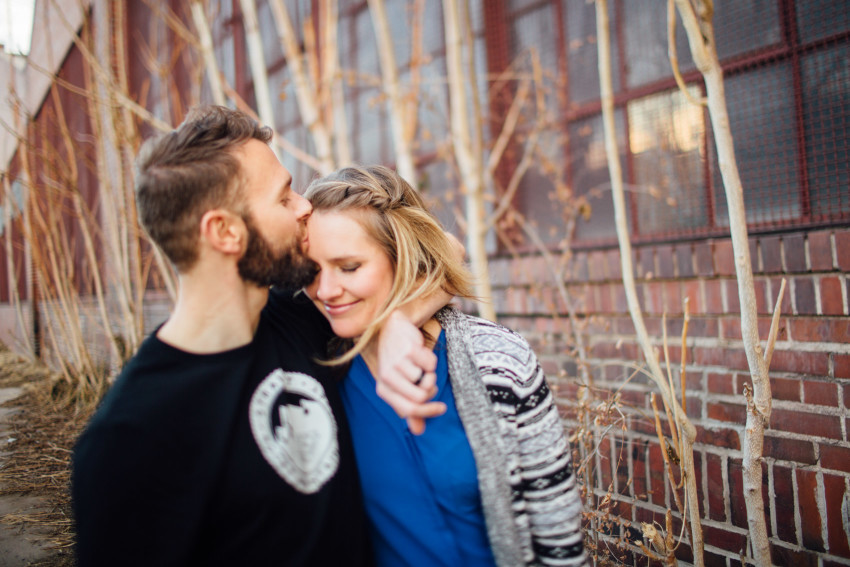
(393, 214)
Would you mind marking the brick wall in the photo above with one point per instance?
(807, 450)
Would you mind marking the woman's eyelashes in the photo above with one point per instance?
(349, 268)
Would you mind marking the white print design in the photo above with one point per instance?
(303, 447)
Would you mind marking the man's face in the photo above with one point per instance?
(275, 217)
(282, 265)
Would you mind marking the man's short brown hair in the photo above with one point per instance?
(185, 173)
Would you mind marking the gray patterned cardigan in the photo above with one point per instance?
(532, 505)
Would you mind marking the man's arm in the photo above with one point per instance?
(406, 379)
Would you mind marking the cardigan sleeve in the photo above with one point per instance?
(548, 486)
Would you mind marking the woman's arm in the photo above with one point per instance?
(549, 484)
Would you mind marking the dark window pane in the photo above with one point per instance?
(536, 30)
(742, 26)
(439, 189)
(433, 124)
(826, 113)
(646, 42)
(761, 113)
(666, 138)
(583, 66)
(817, 19)
(371, 129)
(589, 176)
(272, 51)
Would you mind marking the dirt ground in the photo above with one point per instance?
(36, 437)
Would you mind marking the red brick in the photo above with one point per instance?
(831, 301)
(579, 267)
(684, 260)
(713, 297)
(783, 505)
(808, 507)
(804, 295)
(762, 305)
(734, 359)
(620, 303)
(714, 479)
(771, 254)
(596, 263)
(839, 330)
(713, 559)
(842, 370)
(724, 258)
(730, 328)
(812, 363)
(785, 389)
(820, 251)
(775, 286)
(657, 476)
(692, 292)
(754, 254)
(733, 413)
(835, 457)
(703, 259)
(733, 303)
(724, 539)
(737, 504)
(645, 266)
(672, 298)
(721, 383)
(665, 262)
(834, 488)
(792, 450)
(809, 329)
(820, 393)
(842, 249)
(683, 550)
(794, 248)
(814, 424)
(785, 556)
(719, 437)
(693, 381)
(615, 265)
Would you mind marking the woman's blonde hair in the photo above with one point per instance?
(424, 257)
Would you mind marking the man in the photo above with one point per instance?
(223, 442)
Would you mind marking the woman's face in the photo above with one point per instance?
(355, 274)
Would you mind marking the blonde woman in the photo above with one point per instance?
(489, 482)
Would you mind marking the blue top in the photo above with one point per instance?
(421, 491)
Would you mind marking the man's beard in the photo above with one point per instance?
(288, 268)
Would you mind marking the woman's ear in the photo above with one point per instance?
(224, 231)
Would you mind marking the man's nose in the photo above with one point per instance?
(303, 207)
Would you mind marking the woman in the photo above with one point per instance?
(489, 482)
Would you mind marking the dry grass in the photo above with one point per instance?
(38, 463)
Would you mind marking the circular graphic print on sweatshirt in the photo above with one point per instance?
(294, 427)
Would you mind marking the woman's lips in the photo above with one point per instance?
(337, 310)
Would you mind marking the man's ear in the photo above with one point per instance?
(223, 231)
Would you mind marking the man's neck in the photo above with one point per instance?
(213, 313)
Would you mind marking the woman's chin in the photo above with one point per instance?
(346, 332)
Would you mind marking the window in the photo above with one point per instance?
(788, 96)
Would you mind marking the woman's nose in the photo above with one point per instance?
(328, 288)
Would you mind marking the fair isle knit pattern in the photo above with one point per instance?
(531, 503)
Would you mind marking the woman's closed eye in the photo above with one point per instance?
(349, 268)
